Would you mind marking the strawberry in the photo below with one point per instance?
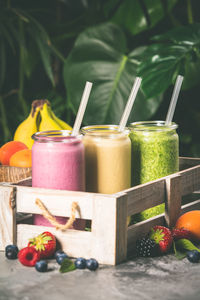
(45, 243)
(181, 233)
(28, 256)
(162, 236)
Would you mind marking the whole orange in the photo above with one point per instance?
(190, 221)
(22, 158)
(8, 149)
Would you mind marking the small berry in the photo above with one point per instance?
(193, 256)
(45, 243)
(146, 247)
(58, 253)
(28, 256)
(162, 236)
(92, 264)
(61, 257)
(41, 266)
(11, 251)
(80, 263)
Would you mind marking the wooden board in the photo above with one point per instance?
(110, 239)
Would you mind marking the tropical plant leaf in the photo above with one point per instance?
(156, 10)
(184, 35)
(42, 40)
(8, 36)
(137, 16)
(178, 52)
(100, 56)
(2, 62)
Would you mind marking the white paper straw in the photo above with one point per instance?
(82, 107)
(129, 103)
(174, 99)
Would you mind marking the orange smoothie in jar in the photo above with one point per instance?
(107, 159)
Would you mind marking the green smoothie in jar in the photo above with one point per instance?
(155, 154)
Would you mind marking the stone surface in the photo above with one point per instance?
(157, 278)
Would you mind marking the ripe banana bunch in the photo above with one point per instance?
(41, 118)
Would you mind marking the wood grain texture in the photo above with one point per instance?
(14, 174)
(188, 162)
(58, 202)
(190, 180)
(145, 195)
(173, 199)
(74, 242)
(7, 216)
(106, 231)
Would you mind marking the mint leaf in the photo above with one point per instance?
(179, 254)
(186, 244)
(67, 266)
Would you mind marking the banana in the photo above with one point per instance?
(41, 118)
(47, 122)
(29, 126)
(62, 123)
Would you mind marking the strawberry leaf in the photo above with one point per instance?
(67, 266)
(186, 244)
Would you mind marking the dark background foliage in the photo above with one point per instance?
(50, 48)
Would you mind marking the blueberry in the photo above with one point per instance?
(58, 252)
(80, 263)
(193, 256)
(11, 251)
(41, 266)
(92, 264)
(61, 257)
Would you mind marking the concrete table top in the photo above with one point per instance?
(157, 278)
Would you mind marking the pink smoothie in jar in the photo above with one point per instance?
(58, 163)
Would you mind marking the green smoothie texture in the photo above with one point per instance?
(155, 154)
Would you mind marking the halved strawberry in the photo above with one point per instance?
(44, 243)
(181, 233)
(28, 256)
(162, 236)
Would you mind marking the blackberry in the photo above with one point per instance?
(146, 247)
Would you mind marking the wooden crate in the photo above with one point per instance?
(110, 241)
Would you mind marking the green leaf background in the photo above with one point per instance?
(100, 56)
(49, 49)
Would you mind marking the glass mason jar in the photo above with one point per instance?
(58, 162)
(155, 154)
(107, 158)
(155, 150)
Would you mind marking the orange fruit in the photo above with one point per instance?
(22, 159)
(0, 155)
(8, 149)
(190, 221)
